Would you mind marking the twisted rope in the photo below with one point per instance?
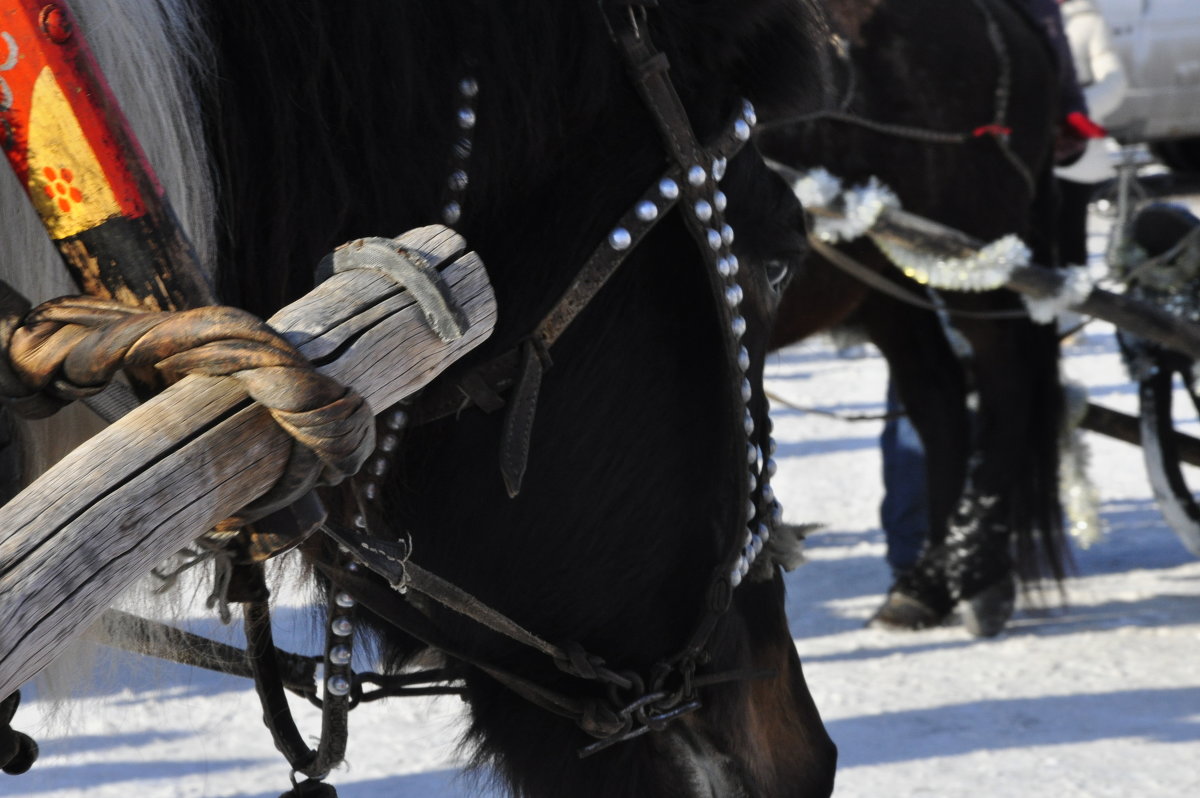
(72, 347)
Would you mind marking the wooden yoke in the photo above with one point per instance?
(200, 451)
(74, 153)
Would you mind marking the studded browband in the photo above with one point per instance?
(522, 367)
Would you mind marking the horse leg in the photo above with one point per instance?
(1011, 495)
(930, 382)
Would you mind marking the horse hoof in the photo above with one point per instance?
(986, 613)
(903, 613)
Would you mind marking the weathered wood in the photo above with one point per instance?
(1127, 428)
(198, 452)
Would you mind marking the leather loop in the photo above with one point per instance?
(518, 424)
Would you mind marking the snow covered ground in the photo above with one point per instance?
(1097, 696)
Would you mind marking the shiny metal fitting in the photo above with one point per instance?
(340, 655)
(714, 239)
(451, 213)
(703, 210)
(720, 200)
(344, 600)
(468, 87)
(647, 211)
(466, 118)
(696, 175)
(748, 113)
(342, 627)
(738, 328)
(668, 188)
(338, 685)
(620, 239)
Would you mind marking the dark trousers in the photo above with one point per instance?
(904, 513)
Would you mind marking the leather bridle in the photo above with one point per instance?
(634, 703)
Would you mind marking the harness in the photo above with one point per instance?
(634, 703)
(630, 703)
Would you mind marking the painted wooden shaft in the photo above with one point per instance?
(197, 453)
(74, 153)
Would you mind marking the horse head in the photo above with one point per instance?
(618, 519)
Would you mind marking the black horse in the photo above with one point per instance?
(953, 106)
(522, 126)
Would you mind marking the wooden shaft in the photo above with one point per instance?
(1141, 318)
(1125, 427)
(198, 452)
(1040, 282)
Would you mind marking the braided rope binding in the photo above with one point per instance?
(70, 348)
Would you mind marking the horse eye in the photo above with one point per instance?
(779, 271)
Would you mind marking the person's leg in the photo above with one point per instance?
(903, 514)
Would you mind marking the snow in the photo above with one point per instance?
(1095, 695)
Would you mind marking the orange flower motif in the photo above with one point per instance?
(58, 187)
